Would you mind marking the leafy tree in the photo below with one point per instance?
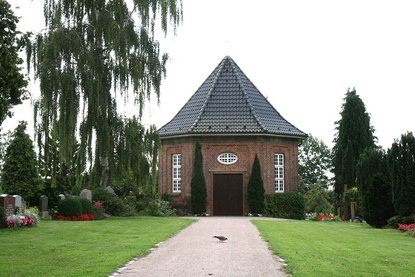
(314, 163)
(20, 174)
(354, 134)
(91, 49)
(256, 189)
(198, 183)
(374, 187)
(12, 81)
(402, 165)
(317, 199)
(135, 159)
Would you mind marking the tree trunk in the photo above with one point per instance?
(103, 160)
(346, 206)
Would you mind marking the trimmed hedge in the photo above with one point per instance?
(86, 205)
(285, 205)
(70, 207)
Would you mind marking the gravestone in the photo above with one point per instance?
(43, 206)
(87, 194)
(62, 196)
(109, 189)
(8, 204)
(18, 202)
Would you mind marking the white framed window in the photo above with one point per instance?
(279, 172)
(177, 172)
(227, 158)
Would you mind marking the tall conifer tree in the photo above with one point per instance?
(89, 50)
(402, 164)
(354, 134)
(256, 188)
(20, 175)
(198, 183)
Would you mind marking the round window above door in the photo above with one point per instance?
(227, 158)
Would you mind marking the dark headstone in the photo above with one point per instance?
(8, 204)
(43, 206)
(43, 203)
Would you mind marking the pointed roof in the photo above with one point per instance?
(228, 103)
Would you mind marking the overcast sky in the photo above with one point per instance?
(302, 55)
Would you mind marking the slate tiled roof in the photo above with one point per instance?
(228, 103)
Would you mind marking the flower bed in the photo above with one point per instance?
(325, 217)
(21, 220)
(75, 218)
(406, 227)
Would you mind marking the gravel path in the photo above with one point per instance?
(194, 252)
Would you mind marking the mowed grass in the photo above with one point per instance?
(339, 249)
(81, 248)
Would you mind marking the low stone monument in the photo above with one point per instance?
(43, 206)
(87, 194)
(109, 189)
(62, 196)
(7, 203)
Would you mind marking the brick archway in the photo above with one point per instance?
(227, 194)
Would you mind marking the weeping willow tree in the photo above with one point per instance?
(89, 51)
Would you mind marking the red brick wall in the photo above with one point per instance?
(245, 147)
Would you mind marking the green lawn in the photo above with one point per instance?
(340, 249)
(81, 248)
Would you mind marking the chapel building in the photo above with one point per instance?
(233, 122)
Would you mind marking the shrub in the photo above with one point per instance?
(97, 212)
(86, 205)
(285, 205)
(158, 207)
(70, 207)
(396, 220)
(3, 218)
(113, 204)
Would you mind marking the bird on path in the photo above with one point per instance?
(221, 238)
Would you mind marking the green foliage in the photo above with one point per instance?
(314, 159)
(70, 207)
(354, 134)
(97, 212)
(375, 187)
(12, 81)
(113, 204)
(402, 166)
(86, 205)
(256, 189)
(317, 200)
(3, 218)
(198, 184)
(158, 207)
(285, 205)
(394, 221)
(19, 174)
(90, 49)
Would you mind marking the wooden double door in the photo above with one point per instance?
(227, 194)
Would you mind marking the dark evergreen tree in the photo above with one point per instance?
(256, 189)
(12, 81)
(20, 174)
(314, 160)
(402, 165)
(354, 134)
(198, 184)
(89, 50)
(375, 188)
